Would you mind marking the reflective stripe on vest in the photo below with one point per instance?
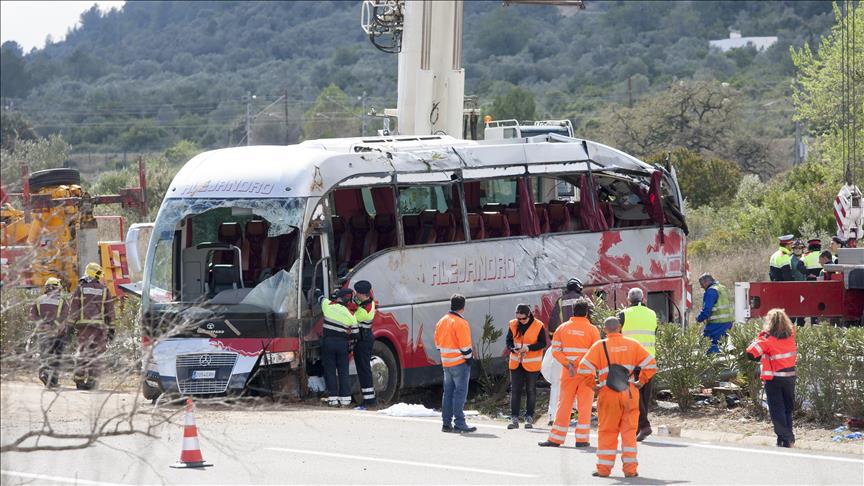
(780, 258)
(640, 323)
(722, 310)
(337, 317)
(811, 260)
(51, 300)
(92, 291)
(364, 317)
(532, 360)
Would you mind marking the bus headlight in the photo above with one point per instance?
(280, 358)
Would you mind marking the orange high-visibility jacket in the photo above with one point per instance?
(532, 360)
(453, 339)
(777, 354)
(623, 351)
(572, 340)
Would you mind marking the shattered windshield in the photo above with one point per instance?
(238, 252)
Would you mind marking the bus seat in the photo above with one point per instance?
(342, 239)
(229, 232)
(543, 216)
(496, 225)
(559, 218)
(365, 237)
(493, 207)
(222, 277)
(411, 226)
(426, 233)
(445, 228)
(476, 227)
(256, 233)
(575, 220)
(385, 226)
(514, 221)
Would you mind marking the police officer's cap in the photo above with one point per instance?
(343, 293)
(814, 241)
(786, 238)
(363, 287)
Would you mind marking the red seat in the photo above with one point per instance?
(426, 233)
(342, 239)
(559, 218)
(496, 225)
(385, 226)
(445, 228)
(476, 227)
(542, 216)
(514, 221)
(364, 237)
(575, 220)
(410, 228)
(229, 232)
(252, 249)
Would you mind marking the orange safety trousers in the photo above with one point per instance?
(579, 389)
(618, 414)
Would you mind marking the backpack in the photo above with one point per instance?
(618, 377)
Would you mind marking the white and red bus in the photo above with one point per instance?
(245, 235)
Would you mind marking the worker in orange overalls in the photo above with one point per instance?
(622, 365)
(569, 343)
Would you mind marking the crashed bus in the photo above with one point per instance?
(245, 236)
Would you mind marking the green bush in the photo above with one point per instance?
(746, 370)
(830, 368)
(682, 361)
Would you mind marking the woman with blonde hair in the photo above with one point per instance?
(775, 347)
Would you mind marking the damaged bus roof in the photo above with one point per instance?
(312, 168)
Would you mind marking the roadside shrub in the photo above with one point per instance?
(830, 370)
(746, 370)
(682, 360)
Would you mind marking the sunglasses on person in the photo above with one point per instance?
(522, 319)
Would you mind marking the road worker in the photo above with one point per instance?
(453, 340)
(811, 258)
(526, 340)
(365, 314)
(776, 349)
(622, 366)
(91, 314)
(563, 309)
(569, 343)
(716, 311)
(640, 323)
(339, 326)
(49, 314)
(779, 266)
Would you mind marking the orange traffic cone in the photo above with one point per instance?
(190, 456)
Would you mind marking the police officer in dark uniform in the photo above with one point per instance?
(49, 314)
(339, 328)
(365, 314)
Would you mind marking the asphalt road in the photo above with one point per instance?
(312, 445)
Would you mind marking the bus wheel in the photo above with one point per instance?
(385, 373)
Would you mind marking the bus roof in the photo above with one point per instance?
(313, 167)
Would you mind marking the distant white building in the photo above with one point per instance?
(735, 41)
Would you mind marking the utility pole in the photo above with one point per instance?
(629, 92)
(248, 99)
(287, 126)
(363, 116)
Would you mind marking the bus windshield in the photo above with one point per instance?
(229, 252)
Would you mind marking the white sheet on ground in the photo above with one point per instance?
(409, 410)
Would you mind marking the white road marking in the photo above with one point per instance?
(817, 457)
(405, 463)
(56, 479)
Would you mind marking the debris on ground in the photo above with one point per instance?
(409, 410)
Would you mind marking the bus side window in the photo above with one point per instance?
(430, 214)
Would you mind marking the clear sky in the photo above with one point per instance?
(28, 23)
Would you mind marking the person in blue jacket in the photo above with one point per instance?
(716, 311)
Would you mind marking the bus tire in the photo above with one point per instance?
(150, 392)
(385, 373)
(53, 177)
